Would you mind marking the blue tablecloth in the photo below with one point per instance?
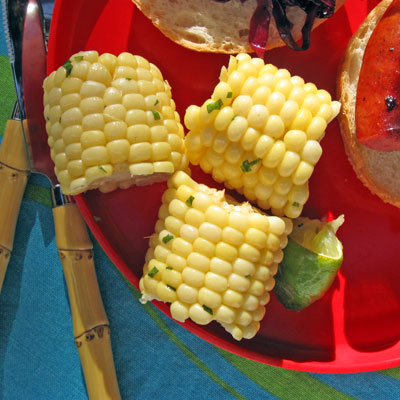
(155, 358)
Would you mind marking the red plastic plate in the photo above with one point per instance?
(356, 326)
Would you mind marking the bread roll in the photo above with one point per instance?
(211, 26)
(378, 170)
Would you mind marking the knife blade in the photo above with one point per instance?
(14, 161)
(90, 324)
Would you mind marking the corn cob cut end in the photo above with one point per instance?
(111, 122)
(211, 259)
(259, 133)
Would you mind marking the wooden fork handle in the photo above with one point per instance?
(90, 323)
(14, 173)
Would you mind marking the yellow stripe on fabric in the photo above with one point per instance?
(188, 353)
(392, 372)
(283, 383)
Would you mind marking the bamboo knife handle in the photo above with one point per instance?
(90, 323)
(14, 173)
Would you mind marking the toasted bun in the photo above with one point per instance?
(207, 25)
(378, 170)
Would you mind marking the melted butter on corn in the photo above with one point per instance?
(259, 133)
(111, 122)
(213, 259)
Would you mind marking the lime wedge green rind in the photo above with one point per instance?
(303, 276)
(188, 353)
(280, 382)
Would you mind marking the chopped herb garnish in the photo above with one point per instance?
(300, 225)
(101, 168)
(156, 115)
(59, 120)
(229, 95)
(48, 119)
(246, 164)
(128, 79)
(208, 309)
(171, 287)
(169, 268)
(234, 117)
(214, 106)
(189, 201)
(296, 204)
(68, 66)
(96, 218)
(248, 276)
(157, 101)
(153, 272)
(167, 238)
(78, 58)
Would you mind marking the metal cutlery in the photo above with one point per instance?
(14, 163)
(90, 323)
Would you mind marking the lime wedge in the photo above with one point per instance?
(311, 260)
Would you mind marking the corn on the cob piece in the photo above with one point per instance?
(111, 122)
(211, 259)
(259, 133)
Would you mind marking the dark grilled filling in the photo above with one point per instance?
(259, 24)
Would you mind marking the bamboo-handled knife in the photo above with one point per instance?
(14, 162)
(90, 323)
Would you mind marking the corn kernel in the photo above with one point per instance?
(193, 277)
(275, 154)
(194, 217)
(275, 102)
(210, 232)
(274, 127)
(140, 152)
(199, 315)
(226, 251)
(97, 172)
(316, 128)
(288, 164)
(233, 298)
(118, 150)
(92, 122)
(171, 277)
(179, 311)
(176, 261)
(223, 118)
(204, 247)
(237, 128)
(92, 89)
(302, 173)
(166, 292)
(311, 152)
(243, 267)
(189, 233)
(187, 293)
(249, 252)
(198, 261)
(225, 314)
(209, 298)
(180, 246)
